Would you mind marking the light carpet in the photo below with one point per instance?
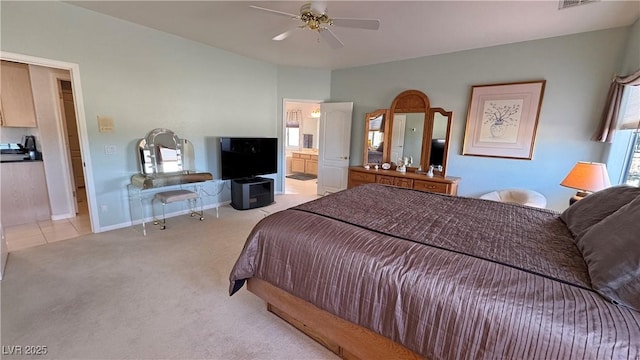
(120, 295)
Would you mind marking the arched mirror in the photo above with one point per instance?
(441, 130)
(418, 134)
(376, 126)
(162, 152)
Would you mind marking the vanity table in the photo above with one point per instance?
(410, 135)
(166, 167)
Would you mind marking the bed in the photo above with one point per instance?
(434, 276)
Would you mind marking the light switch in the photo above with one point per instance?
(110, 149)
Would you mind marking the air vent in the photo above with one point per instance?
(571, 3)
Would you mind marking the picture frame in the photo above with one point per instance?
(502, 119)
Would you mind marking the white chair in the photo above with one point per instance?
(517, 196)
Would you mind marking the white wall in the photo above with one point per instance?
(577, 69)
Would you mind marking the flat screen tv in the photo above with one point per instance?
(248, 157)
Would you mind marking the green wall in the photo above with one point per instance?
(577, 69)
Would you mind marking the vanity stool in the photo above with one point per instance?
(167, 197)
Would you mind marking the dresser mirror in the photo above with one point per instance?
(376, 126)
(440, 138)
(163, 152)
(418, 134)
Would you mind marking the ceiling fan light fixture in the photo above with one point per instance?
(314, 17)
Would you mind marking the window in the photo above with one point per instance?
(633, 170)
(631, 121)
(293, 136)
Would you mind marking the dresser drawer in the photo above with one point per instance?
(431, 186)
(358, 176)
(384, 179)
(305, 156)
(402, 182)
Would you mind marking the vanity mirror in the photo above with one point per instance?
(418, 134)
(162, 152)
(376, 126)
(165, 159)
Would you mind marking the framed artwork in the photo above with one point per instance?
(502, 119)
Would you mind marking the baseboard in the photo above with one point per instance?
(63, 216)
(149, 220)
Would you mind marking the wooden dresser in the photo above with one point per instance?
(447, 185)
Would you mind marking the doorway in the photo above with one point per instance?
(68, 114)
(74, 78)
(301, 123)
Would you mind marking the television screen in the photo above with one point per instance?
(248, 157)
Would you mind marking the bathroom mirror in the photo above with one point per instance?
(163, 152)
(376, 126)
(418, 134)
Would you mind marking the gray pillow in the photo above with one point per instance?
(611, 249)
(589, 211)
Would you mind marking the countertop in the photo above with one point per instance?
(14, 158)
(19, 161)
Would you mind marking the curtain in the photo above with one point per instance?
(294, 117)
(611, 111)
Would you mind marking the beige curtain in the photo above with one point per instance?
(611, 111)
(294, 118)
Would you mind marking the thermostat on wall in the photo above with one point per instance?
(105, 124)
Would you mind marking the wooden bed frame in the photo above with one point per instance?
(345, 339)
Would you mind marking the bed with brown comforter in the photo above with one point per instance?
(447, 277)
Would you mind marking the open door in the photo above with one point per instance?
(334, 147)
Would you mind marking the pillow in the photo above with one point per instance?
(611, 249)
(587, 212)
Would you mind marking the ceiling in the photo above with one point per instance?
(407, 29)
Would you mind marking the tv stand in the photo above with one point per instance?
(250, 193)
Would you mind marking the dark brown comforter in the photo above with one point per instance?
(448, 277)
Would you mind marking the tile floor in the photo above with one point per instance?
(43, 232)
(304, 187)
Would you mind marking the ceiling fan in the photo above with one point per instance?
(314, 17)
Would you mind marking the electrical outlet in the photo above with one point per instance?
(110, 149)
(104, 208)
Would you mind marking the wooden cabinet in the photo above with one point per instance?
(16, 96)
(360, 176)
(297, 165)
(24, 193)
(302, 162)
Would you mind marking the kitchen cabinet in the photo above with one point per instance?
(437, 184)
(304, 162)
(24, 193)
(16, 97)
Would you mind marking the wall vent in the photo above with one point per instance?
(571, 3)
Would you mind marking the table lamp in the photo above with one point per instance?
(586, 177)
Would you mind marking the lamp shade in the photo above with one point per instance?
(587, 176)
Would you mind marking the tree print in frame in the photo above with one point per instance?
(502, 119)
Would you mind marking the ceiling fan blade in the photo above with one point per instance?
(331, 39)
(275, 11)
(282, 36)
(369, 24)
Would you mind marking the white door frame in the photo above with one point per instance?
(74, 70)
(283, 136)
